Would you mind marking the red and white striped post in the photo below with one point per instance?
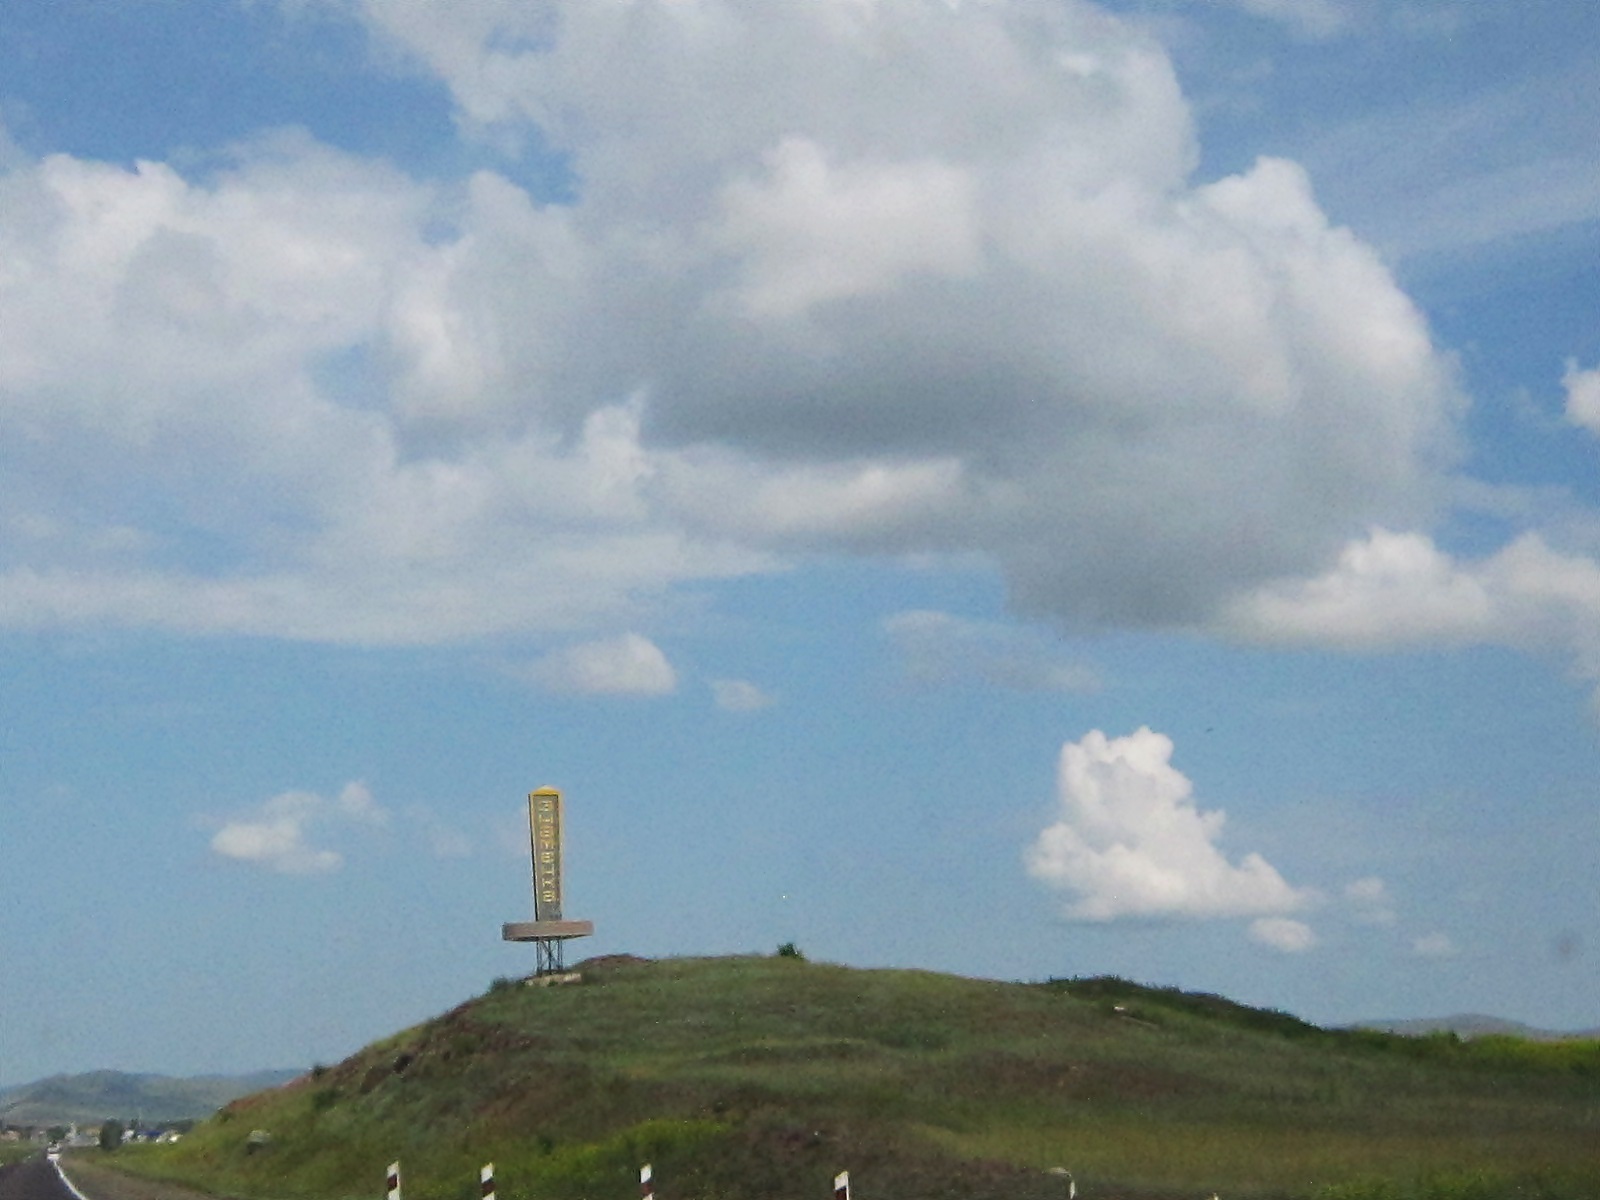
(841, 1186)
(647, 1183)
(394, 1181)
(486, 1182)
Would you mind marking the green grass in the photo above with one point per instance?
(761, 1077)
(11, 1152)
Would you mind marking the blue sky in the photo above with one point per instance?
(1018, 488)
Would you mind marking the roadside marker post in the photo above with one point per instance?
(647, 1184)
(394, 1181)
(486, 1182)
(841, 1186)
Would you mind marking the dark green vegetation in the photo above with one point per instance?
(16, 1151)
(91, 1098)
(1477, 1025)
(759, 1078)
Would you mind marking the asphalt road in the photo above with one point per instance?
(34, 1178)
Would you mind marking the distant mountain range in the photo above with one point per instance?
(1470, 1025)
(99, 1096)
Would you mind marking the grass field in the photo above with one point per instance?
(762, 1077)
(15, 1151)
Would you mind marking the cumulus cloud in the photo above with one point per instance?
(1391, 590)
(278, 836)
(740, 695)
(265, 375)
(1130, 842)
(897, 278)
(807, 232)
(939, 649)
(629, 665)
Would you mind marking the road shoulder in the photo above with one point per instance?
(98, 1181)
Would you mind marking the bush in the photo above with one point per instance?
(790, 950)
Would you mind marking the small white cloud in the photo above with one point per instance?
(277, 836)
(938, 649)
(278, 844)
(739, 695)
(1391, 590)
(1370, 902)
(1130, 841)
(1434, 945)
(1283, 933)
(355, 803)
(1583, 396)
(629, 665)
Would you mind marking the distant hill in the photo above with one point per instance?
(1471, 1025)
(763, 1077)
(97, 1096)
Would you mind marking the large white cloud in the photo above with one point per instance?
(1130, 842)
(1098, 373)
(892, 277)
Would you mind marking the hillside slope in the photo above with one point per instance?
(762, 1077)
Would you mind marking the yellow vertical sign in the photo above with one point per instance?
(544, 822)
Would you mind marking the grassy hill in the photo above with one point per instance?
(96, 1096)
(759, 1078)
(1477, 1025)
